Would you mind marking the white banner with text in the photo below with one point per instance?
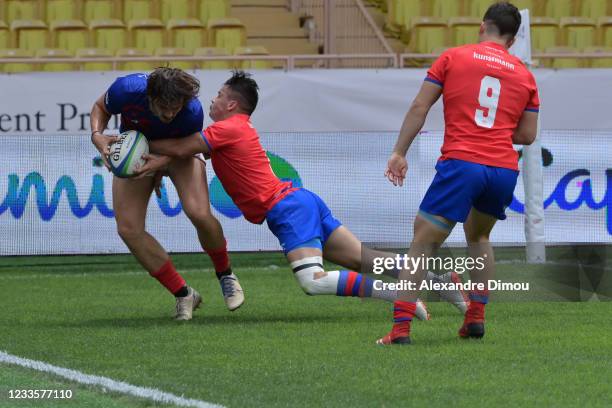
(55, 196)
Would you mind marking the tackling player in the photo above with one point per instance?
(164, 104)
(490, 102)
(303, 224)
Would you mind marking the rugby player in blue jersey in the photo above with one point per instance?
(164, 104)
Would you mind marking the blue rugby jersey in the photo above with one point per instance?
(128, 96)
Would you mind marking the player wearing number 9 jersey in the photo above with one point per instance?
(490, 102)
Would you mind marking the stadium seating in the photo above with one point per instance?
(99, 10)
(477, 8)
(254, 51)
(95, 53)
(187, 33)
(176, 9)
(16, 66)
(266, 20)
(284, 46)
(228, 33)
(30, 35)
(427, 34)
(147, 34)
(532, 5)
(544, 32)
(62, 10)
(69, 35)
(464, 30)
(139, 10)
(54, 53)
(605, 31)
(578, 32)
(411, 9)
(150, 25)
(174, 52)
(248, 27)
(5, 36)
(22, 10)
(560, 8)
(142, 66)
(212, 52)
(560, 63)
(446, 8)
(600, 62)
(595, 8)
(108, 34)
(213, 9)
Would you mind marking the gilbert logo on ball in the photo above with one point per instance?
(126, 154)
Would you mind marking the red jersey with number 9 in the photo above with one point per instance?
(485, 92)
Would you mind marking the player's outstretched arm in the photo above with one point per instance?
(183, 147)
(413, 123)
(527, 129)
(163, 150)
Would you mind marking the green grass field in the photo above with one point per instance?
(103, 315)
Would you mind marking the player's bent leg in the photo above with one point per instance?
(307, 266)
(189, 178)
(477, 229)
(429, 233)
(130, 200)
(343, 248)
(302, 222)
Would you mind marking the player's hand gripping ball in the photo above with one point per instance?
(125, 155)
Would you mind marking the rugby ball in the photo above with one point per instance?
(126, 154)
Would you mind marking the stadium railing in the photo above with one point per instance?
(288, 61)
(291, 62)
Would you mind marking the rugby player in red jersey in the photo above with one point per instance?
(490, 102)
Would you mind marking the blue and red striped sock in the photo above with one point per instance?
(403, 312)
(354, 284)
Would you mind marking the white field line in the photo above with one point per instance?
(106, 383)
(15, 275)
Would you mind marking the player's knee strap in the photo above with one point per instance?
(305, 270)
(443, 225)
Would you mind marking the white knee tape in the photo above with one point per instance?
(305, 270)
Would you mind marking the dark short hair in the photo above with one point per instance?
(245, 90)
(170, 87)
(505, 17)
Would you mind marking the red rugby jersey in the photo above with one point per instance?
(243, 168)
(485, 91)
